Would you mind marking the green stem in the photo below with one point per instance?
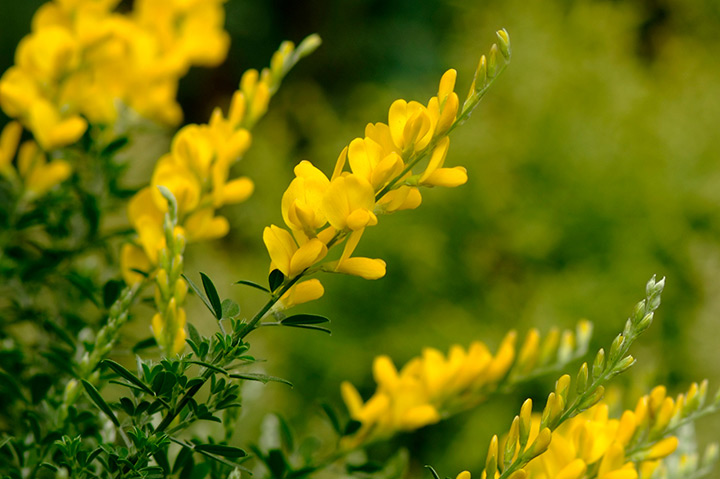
(207, 373)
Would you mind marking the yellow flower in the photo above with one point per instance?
(147, 219)
(443, 108)
(426, 389)
(436, 175)
(371, 162)
(349, 202)
(169, 329)
(39, 175)
(133, 258)
(411, 126)
(287, 256)
(50, 129)
(302, 202)
(300, 293)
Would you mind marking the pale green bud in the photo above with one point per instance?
(582, 379)
(308, 45)
(598, 364)
(492, 65)
(616, 347)
(504, 43)
(593, 398)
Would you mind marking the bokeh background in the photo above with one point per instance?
(593, 164)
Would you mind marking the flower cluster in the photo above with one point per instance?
(432, 386)
(195, 178)
(83, 60)
(322, 212)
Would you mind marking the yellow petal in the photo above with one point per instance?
(574, 470)
(280, 246)
(133, 257)
(447, 84)
(352, 398)
(203, 225)
(447, 177)
(237, 190)
(663, 448)
(43, 178)
(9, 139)
(384, 372)
(302, 293)
(437, 159)
(367, 268)
(419, 416)
(397, 117)
(306, 256)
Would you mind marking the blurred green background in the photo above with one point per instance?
(593, 164)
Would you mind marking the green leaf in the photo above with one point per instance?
(126, 374)
(212, 295)
(210, 366)
(332, 417)
(194, 335)
(182, 457)
(369, 467)
(39, 386)
(111, 291)
(298, 319)
(263, 378)
(163, 383)
(114, 146)
(47, 465)
(99, 401)
(352, 427)
(199, 293)
(309, 326)
(144, 344)
(220, 450)
(252, 285)
(275, 279)
(230, 308)
(140, 272)
(276, 463)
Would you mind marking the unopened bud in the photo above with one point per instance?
(492, 61)
(308, 45)
(504, 43)
(645, 322)
(582, 379)
(525, 422)
(711, 455)
(542, 442)
(492, 457)
(662, 448)
(511, 442)
(598, 364)
(562, 386)
(592, 399)
(617, 344)
(624, 364)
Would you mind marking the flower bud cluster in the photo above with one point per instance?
(82, 61)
